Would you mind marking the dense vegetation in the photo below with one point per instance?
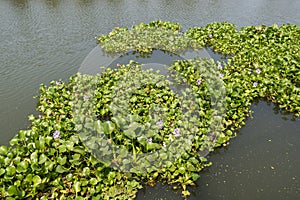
(62, 157)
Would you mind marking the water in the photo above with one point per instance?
(43, 40)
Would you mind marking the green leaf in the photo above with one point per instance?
(98, 126)
(14, 141)
(60, 169)
(49, 165)
(2, 171)
(93, 181)
(62, 148)
(34, 157)
(29, 178)
(76, 186)
(10, 171)
(22, 135)
(75, 139)
(44, 198)
(62, 160)
(79, 149)
(151, 146)
(130, 133)
(43, 158)
(40, 143)
(22, 166)
(69, 145)
(181, 170)
(86, 171)
(36, 180)
(108, 127)
(3, 150)
(12, 190)
(31, 117)
(195, 176)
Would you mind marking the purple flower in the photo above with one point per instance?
(258, 71)
(198, 81)
(58, 82)
(85, 97)
(210, 35)
(160, 124)
(221, 75)
(56, 134)
(220, 66)
(176, 132)
(255, 84)
(149, 140)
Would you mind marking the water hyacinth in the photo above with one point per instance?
(221, 75)
(160, 124)
(255, 84)
(149, 140)
(56, 134)
(58, 83)
(85, 97)
(258, 71)
(220, 66)
(210, 35)
(176, 132)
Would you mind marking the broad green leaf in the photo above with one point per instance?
(10, 171)
(43, 158)
(12, 190)
(34, 157)
(86, 171)
(79, 149)
(76, 186)
(22, 166)
(62, 160)
(36, 180)
(62, 148)
(93, 181)
(108, 127)
(60, 169)
(2, 171)
(3, 150)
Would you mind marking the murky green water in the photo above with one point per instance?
(44, 40)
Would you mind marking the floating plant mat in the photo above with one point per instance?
(149, 131)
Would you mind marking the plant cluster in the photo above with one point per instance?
(144, 38)
(49, 161)
(61, 156)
